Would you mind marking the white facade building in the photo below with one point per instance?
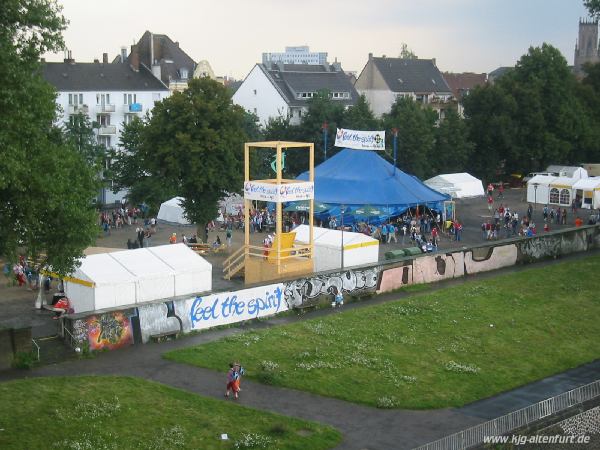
(296, 55)
(284, 90)
(111, 95)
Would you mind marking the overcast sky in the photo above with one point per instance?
(463, 35)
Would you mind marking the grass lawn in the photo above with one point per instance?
(131, 413)
(439, 349)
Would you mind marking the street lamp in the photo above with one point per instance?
(324, 127)
(395, 134)
(535, 186)
(342, 210)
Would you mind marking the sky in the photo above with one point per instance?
(463, 35)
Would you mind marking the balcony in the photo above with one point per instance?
(106, 108)
(132, 108)
(77, 109)
(107, 130)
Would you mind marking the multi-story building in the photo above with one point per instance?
(586, 47)
(461, 85)
(383, 80)
(283, 90)
(295, 55)
(111, 95)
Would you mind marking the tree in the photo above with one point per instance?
(406, 53)
(192, 145)
(46, 189)
(415, 126)
(359, 116)
(452, 148)
(593, 7)
(81, 134)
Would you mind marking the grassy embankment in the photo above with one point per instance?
(123, 412)
(439, 349)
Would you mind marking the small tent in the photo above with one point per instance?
(574, 172)
(128, 277)
(171, 211)
(457, 185)
(358, 248)
(588, 191)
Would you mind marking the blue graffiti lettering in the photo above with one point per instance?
(199, 312)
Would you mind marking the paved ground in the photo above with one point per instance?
(362, 427)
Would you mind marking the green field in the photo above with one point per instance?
(130, 413)
(433, 350)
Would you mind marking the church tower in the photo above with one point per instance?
(586, 47)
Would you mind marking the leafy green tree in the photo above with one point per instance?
(588, 93)
(359, 116)
(81, 134)
(46, 187)
(593, 7)
(489, 112)
(416, 136)
(452, 148)
(406, 53)
(192, 145)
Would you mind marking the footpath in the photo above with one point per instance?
(363, 428)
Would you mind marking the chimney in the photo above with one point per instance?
(43, 60)
(96, 61)
(370, 56)
(104, 58)
(177, 44)
(433, 61)
(69, 59)
(134, 58)
(123, 54)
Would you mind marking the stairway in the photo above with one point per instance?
(234, 265)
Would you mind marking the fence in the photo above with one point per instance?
(516, 419)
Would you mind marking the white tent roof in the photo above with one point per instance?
(331, 238)
(180, 258)
(588, 183)
(570, 171)
(457, 184)
(143, 263)
(103, 268)
(563, 182)
(544, 180)
(172, 211)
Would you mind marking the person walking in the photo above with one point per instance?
(233, 384)
(228, 237)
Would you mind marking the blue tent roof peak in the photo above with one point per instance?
(359, 177)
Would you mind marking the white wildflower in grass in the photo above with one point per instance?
(318, 364)
(96, 410)
(88, 441)
(253, 440)
(387, 402)
(453, 366)
(172, 437)
(269, 366)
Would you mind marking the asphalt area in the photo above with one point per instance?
(16, 303)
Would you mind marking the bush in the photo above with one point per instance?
(24, 360)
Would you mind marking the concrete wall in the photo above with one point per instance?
(114, 329)
(13, 341)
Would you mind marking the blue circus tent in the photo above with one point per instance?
(355, 178)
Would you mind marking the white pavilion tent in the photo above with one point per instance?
(588, 190)
(129, 277)
(171, 211)
(358, 248)
(551, 190)
(458, 185)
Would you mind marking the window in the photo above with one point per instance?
(184, 74)
(129, 99)
(75, 99)
(128, 118)
(102, 99)
(103, 119)
(104, 141)
(554, 195)
(565, 197)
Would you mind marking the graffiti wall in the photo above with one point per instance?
(392, 279)
(158, 318)
(351, 281)
(490, 258)
(116, 329)
(437, 267)
(230, 307)
(104, 331)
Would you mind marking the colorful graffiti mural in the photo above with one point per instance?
(104, 331)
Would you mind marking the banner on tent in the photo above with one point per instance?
(360, 140)
(256, 190)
